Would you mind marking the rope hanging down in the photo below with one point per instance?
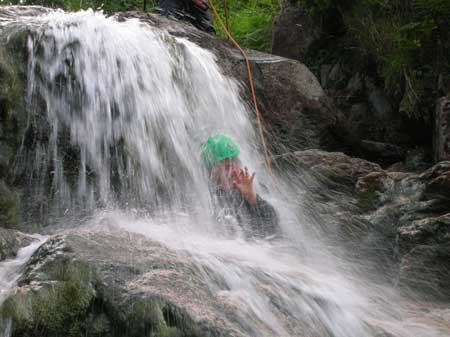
(250, 78)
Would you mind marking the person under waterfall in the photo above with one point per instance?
(233, 191)
(194, 11)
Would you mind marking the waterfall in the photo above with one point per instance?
(117, 113)
(125, 109)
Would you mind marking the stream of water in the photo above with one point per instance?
(10, 271)
(119, 110)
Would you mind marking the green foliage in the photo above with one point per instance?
(62, 308)
(250, 22)
(434, 8)
(408, 42)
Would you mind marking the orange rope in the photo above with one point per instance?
(252, 87)
(225, 10)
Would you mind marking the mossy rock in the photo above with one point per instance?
(11, 242)
(368, 199)
(9, 206)
(64, 305)
(369, 190)
(65, 297)
(13, 121)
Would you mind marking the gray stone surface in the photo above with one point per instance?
(115, 283)
(293, 31)
(404, 215)
(441, 137)
(11, 241)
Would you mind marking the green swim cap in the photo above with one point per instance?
(217, 148)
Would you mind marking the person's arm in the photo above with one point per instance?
(263, 217)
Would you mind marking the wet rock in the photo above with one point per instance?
(335, 166)
(417, 160)
(370, 188)
(380, 103)
(441, 137)
(11, 241)
(296, 109)
(9, 206)
(12, 121)
(402, 215)
(112, 284)
(426, 269)
(355, 85)
(429, 231)
(292, 32)
(337, 77)
(383, 152)
(324, 74)
(437, 181)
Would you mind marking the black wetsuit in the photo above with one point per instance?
(259, 221)
(187, 10)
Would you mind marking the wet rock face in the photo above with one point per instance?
(408, 213)
(437, 181)
(12, 124)
(335, 166)
(111, 284)
(295, 108)
(11, 241)
(442, 130)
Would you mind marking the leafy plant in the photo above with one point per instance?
(406, 41)
(250, 21)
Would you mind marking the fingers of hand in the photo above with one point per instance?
(235, 176)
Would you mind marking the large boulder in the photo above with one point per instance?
(296, 110)
(335, 166)
(83, 283)
(293, 31)
(102, 281)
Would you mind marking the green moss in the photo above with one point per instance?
(11, 86)
(154, 317)
(69, 300)
(62, 307)
(367, 200)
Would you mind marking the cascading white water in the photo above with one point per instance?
(120, 110)
(10, 271)
(130, 107)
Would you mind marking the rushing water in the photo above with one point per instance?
(118, 112)
(10, 271)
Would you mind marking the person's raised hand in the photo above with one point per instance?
(201, 3)
(243, 182)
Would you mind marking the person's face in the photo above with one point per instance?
(221, 173)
